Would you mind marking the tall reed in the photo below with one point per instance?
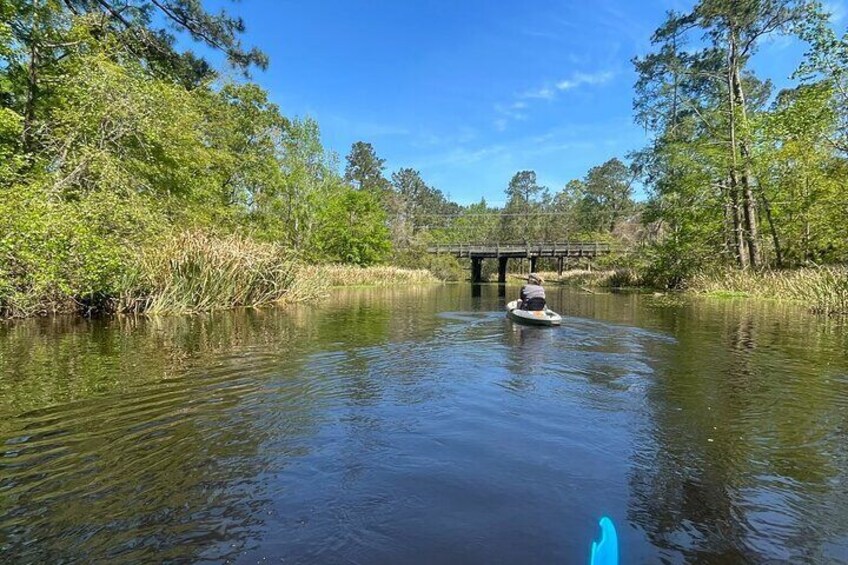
(195, 272)
(823, 289)
(614, 278)
(378, 275)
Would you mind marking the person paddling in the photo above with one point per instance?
(532, 294)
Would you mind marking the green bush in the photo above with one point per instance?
(61, 256)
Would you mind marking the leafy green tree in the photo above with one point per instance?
(475, 223)
(352, 228)
(827, 61)
(706, 98)
(417, 207)
(40, 35)
(409, 205)
(801, 177)
(568, 205)
(143, 25)
(606, 196)
(11, 157)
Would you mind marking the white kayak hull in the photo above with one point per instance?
(532, 317)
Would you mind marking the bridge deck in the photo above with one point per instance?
(522, 250)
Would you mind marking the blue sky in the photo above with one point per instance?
(469, 92)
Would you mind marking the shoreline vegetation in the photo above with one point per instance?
(195, 272)
(823, 290)
(137, 178)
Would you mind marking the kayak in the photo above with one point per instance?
(532, 317)
(605, 550)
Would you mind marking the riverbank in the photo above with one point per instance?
(196, 272)
(611, 278)
(823, 290)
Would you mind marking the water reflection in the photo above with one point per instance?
(420, 425)
(741, 460)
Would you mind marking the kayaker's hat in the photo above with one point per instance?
(534, 278)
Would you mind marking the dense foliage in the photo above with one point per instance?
(112, 143)
(739, 175)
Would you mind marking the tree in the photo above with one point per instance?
(352, 228)
(365, 170)
(134, 21)
(686, 94)
(605, 196)
(522, 211)
(42, 33)
(409, 204)
(801, 176)
(827, 61)
(565, 209)
(417, 206)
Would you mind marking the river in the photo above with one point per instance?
(419, 425)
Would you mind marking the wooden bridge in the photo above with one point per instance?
(503, 252)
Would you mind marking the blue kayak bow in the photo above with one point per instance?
(605, 550)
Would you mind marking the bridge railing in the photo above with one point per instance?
(466, 249)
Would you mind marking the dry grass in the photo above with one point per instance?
(615, 278)
(351, 275)
(196, 272)
(823, 290)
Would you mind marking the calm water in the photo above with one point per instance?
(421, 426)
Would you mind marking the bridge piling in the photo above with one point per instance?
(476, 269)
(502, 269)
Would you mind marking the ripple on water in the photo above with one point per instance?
(414, 434)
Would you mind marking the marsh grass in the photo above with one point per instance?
(379, 275)
(613, 278)
(197, 272)
(824, 290)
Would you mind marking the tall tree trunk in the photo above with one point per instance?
(778, 251)
(737, 96)
(731, 247)
(749, 202)
(738, 230)
(733, 177)
(31, 93)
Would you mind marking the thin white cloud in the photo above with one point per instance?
(576, 80)
(580, 79)
(509, 112)
(544, 93)
(517, 110)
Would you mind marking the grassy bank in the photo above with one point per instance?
(612, 278)
(823, 290)
(197, 272)
(378, 275)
